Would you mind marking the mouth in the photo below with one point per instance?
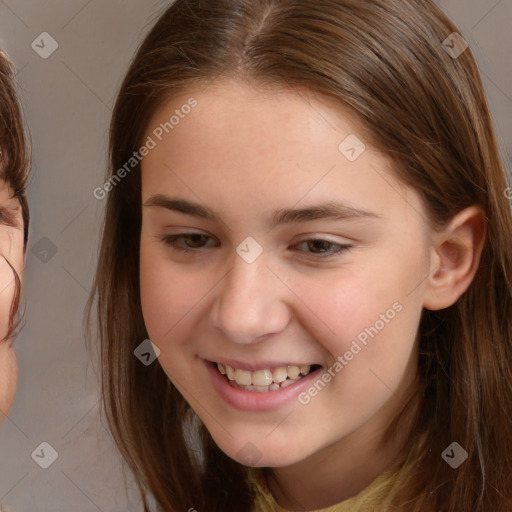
(264, 380)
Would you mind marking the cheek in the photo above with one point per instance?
(8, 288)
(157, 293)
(8, 378)
(168, 294)
(369, 317)
(11, 250)
(373, 349)
(11, 245)
(171, 308)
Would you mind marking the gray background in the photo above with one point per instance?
(68, 99)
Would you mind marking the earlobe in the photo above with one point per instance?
(456, 253)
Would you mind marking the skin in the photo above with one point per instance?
(244, 152)
(11, 247)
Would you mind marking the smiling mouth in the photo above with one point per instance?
(265, 380)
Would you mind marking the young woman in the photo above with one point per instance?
(306, 215)
(14, 220)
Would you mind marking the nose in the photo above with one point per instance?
(251, 302)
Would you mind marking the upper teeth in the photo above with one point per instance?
(263, 377)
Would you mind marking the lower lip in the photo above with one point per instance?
(255, 400)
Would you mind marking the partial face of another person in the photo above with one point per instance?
(11, 250)
(257, 288)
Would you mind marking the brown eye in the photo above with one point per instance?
(319, 245)
(320, 248)
(193, 241)
(196, 240)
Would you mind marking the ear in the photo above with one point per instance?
(455, 256)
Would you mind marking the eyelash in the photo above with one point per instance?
(170, 241)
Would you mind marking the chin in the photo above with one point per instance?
(258, 453)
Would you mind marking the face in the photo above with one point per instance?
(11, 247)
(259, 288)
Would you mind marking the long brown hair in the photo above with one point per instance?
(423, 107)
(15, 162)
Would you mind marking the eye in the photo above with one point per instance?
(196, 239)
(321, 248)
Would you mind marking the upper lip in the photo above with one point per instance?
(260, 365)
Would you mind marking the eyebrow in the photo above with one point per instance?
(329, 210)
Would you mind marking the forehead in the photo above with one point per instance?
(227, 104)
(235, 124)
(277, 146)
